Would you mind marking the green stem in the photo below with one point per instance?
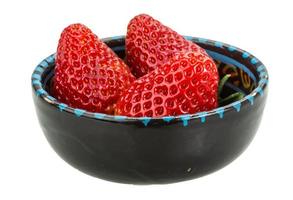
(233, 97)
(222, 83)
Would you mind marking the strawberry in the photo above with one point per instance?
(88, 74)
(188, 83)
(150, 44)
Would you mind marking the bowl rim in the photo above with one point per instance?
(39, 91)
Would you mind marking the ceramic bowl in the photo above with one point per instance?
(156, 150)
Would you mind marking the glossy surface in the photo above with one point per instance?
(78, 81)
(163, 150)
(150, 44)
(187, 84)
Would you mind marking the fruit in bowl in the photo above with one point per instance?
(188, 83)
(150, 44)
(116, 145)
(88, 74)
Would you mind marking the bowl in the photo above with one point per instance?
(156, 150)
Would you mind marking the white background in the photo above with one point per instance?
(29, 31)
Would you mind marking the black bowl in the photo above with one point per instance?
(156, 150)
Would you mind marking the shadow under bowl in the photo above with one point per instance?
(156, 150)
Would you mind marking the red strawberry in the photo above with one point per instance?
(150, 44)
(88, 74)
(188, 83)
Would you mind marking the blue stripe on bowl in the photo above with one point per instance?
(263, 81)
(262, 74)
(51, 98)
(51, 59)
(120, 118)
(168, 118)
(79, 112)
(253, 61)
(259, 90)
(220, 112)
(62, 106)
(245, 55)
(219, 44)
(250, 98)
(231, 48)
(118, 37)
(260, 68)
(202, 40)
(237, 105)
(202, 116)
(231, 61)
(36, 76)
(99, 115)
(188, 37)
(39, 69)
(44, 64)
(37, 82)
(40, 92)
(185, 119)
(145, 120)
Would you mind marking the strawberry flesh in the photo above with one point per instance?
(188, 83)
(88, 74)
(150, 44)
